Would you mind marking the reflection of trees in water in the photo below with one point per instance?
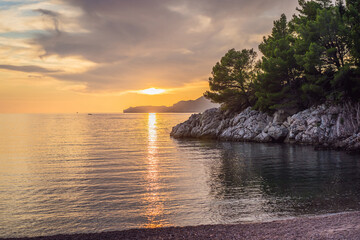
(275, 178)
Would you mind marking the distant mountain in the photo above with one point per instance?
(198, 105)
(146, 109)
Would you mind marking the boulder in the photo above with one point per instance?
(278, 132)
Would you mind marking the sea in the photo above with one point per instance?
(80, 173)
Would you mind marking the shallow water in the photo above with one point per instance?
(90, 173)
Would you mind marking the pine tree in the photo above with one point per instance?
(321, 48)
(353, 19)
(311, 59)
(233, 78)
(275, 84)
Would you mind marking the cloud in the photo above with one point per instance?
(53, 16)
(139, 44)
(28, 69)
(47, 12)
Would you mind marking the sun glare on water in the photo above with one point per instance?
(152, 91)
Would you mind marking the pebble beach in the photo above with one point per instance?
(330, 226)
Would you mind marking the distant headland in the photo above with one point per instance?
(199, 105)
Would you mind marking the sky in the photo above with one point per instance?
(66, 56)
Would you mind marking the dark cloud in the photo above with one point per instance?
(47, 12)
(54, 16)
(27, 69)
(172, 41)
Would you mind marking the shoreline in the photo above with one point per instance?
(345, 225)
(324, 127)
(316, 147)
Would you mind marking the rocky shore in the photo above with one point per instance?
(325, 126)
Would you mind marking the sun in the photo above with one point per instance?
(152, 91)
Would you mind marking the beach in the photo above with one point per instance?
(330, 226)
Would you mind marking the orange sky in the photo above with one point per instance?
(63, 56)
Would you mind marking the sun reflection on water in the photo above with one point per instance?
(155, 207)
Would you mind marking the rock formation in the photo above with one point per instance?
(323, 126)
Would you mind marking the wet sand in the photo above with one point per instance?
(334, 226)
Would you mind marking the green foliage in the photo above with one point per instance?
(353, 19)
(322, 40)
(324, 3)
(233, 78)
(279, 69)
(346, 85)
(321, 47)
(311, 59)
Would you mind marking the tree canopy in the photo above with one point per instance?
(311, 59)
(279, 68)
(232, 81)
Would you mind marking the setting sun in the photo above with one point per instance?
(152, 91)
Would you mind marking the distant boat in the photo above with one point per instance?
(89, 113)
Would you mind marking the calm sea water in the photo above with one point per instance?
(103, 172)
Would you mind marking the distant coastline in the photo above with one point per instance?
(199, 105)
